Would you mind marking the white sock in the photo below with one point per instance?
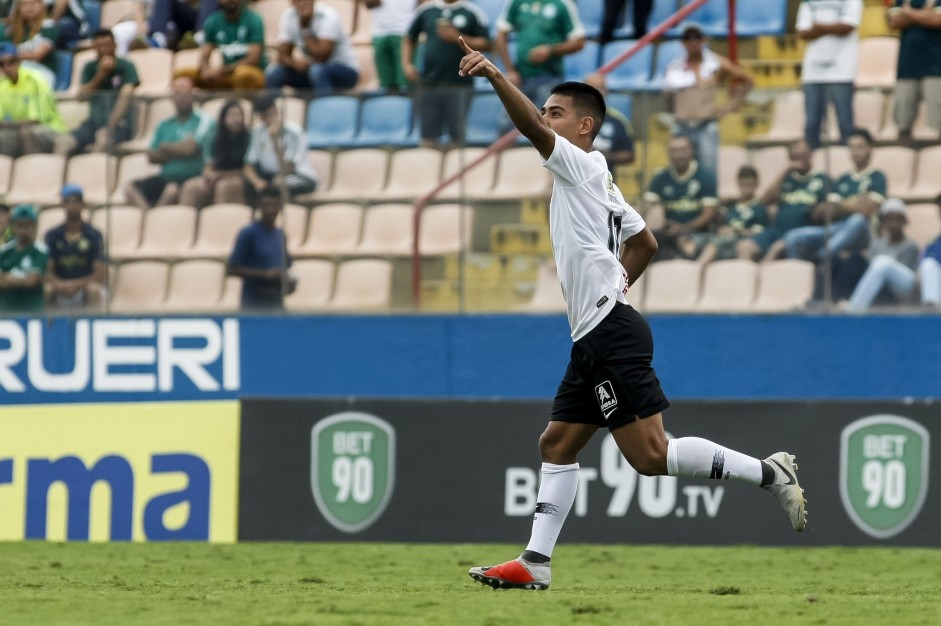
(692, 456)
(553, 503)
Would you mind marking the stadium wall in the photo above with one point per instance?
(744, 357)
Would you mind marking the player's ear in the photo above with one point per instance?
(587, 125)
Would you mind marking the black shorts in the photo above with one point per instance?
(610, 381)
(151, 187)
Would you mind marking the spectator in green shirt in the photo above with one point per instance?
(22, 265)
(178, 146)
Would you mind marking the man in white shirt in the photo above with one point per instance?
(326, 61)
(601, 246)
(831, 30)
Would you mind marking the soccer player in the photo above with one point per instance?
(609, 381)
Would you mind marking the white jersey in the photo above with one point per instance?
(588, 221)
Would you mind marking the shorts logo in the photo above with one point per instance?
(606, 398)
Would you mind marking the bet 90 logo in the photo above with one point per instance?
(884, 461)
(352, 469)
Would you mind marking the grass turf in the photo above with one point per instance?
(313, 583)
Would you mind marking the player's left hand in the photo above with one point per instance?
(475, 63)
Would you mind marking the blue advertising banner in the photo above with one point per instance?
(112, 359)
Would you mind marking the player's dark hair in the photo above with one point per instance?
(862, 133)
(103, 32)
(270, 192)
(747, 171)
(587, 100)
(265, 102)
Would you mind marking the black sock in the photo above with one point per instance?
(767, 474)
(535, 557)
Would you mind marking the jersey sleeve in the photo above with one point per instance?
(631, 223)
(569, 165)
(256, 28)
(852, 13)
(804, 18)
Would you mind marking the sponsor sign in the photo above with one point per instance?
(119, 472)
(884, 469)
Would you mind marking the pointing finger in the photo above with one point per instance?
(467, 49)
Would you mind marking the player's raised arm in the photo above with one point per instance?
(524, 115)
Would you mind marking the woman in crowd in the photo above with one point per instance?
(35, 38)
(223, 179)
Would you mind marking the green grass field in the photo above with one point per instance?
(289, 583)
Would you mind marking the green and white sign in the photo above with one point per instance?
(352, 469)
(884, 461)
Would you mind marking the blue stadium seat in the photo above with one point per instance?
(666, 52)
(386, 121)
(590, 13)
(662, 9)
(620, 101)
(714, 17)
(331, 122)
(766, 17)
(631, 74)
(63, 70)
(483, 119)
(583, 62)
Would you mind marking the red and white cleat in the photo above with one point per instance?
(515, 574)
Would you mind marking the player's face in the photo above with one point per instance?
(560, 114)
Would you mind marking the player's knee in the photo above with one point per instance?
(652, 463)
(553, 448)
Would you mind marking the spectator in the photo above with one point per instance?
(223, 179)
(178, 146)
(545, 33)
(35, 38)
(30, 117)
(929, 271)
(831, 30)
(919, 65)
(614, 11)
(77, 271)
(792, 200)
(848, 211)
(390, 20)
(326, 61)
(22, 265)
(745, 218)
(260, 257)
(692, 84)
(443, 95)
(277, 152)
(687, 194)
(615, 139)
(108, 84)
(239, 33)
(70, 20)
(163, 23)
(6, 231)
(893, 259)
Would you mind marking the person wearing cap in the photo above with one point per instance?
(108, 84)
(29, 116)
(893, 258)
(691, 83)
(77, 271)
(850, 208)
(22, 265)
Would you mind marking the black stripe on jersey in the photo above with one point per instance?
(614, 232)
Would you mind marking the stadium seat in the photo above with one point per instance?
(121, 227)
(6, 170)
(834, 160)
(294, 110)
(386, 121)
(478, 178)
(194, 285)
(878, 57)
(632, 74)
(332, 121)
(868, 113)
(547, 292)
(582, 63)
(483, 119)
(48, 218)
(154, 69)
(667, 51)
(519, 175)
(368, 76)
(63, 70)
(621, 102)
(731, 158)
(662, 9)
(925, 185)
(363, 31)
(767, 17)
(321, 161)
(270, 12)
(167, 233)
(920, 128)
(314, 285)
(672, 286)
(445, 229)
(333, 230)
(413, 172)
(130, 168)
(79, 59)
(190, 58)
(387, 230)
(362, 285)
(154, 113)
(36, 178)
(357, 174)
(728, 286)
(293, 221)
(231, 294)
(590, 12)
(898, 163)
(115, 11)
(787, 120)
(713, 17)
(96, 172)
(769, 162)
(924, 223)
(218, 226)
(139, 286)
(783, 285)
